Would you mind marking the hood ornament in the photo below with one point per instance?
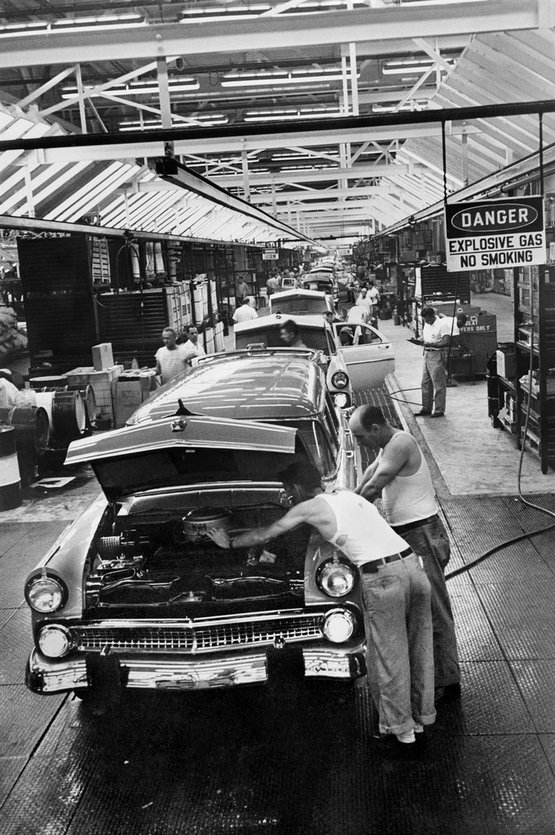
(178, 425)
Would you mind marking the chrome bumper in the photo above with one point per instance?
(46, 676)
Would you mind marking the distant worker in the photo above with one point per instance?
(245, 311)
(346, 336)
(193, 346)
(358, 314)
(290, 335)
(171, 358)
(272, 285)
(241, 290)
(436, 336)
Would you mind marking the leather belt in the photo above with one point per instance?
(401, 529)
(372, 566)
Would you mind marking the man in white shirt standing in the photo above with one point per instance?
(436, 335)
(193, 347)
(244, 311)
(171, 358)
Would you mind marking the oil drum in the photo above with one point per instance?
(10, 483)
(87, 393)
(31, 436)
(69, 416)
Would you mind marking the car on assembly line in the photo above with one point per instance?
(366, 363)
(278, 386)
(301, 302)
(134, 594)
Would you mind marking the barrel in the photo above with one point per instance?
(69, 416)
(44, 400)
(31, 436)
(10, 483)
(87, 393)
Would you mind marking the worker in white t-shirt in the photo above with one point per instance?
(436, 334)
(245, 311)
(171, 358)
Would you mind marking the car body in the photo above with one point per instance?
(366, 364)
(276, 386)
(289, 282)
(321, 280)
(134, 594)
(301, 302)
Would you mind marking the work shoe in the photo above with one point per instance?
(449, 693)
(422, 413)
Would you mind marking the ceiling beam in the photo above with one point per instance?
(225, 143)
(358, 172)
(189, 39)
(295, 197)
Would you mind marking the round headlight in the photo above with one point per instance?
(44, 594)
(54, 640)
(336, 579)
(342, 400)
(339, 625)
(340, 380)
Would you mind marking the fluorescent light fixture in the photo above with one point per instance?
(39, 27)
(275, 78)
(275, 116)
(390, 108)
(152, 124)
(224, 13)
(136, 88)
(410, 67)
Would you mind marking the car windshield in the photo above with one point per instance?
(178, 466)
(268, 337)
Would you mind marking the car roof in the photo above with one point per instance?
(244, 385)
(298, 293)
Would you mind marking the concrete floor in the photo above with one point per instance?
(472, 458)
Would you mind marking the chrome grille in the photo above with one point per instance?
(200, 638)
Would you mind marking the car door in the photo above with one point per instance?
(369, 359)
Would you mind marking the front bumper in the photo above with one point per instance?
(159, 672)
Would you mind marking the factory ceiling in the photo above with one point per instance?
(237, 67)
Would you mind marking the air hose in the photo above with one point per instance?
(550, 513)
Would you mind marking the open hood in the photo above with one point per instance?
(184, 451)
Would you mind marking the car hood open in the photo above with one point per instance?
(184, 451)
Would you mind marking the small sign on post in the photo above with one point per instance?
(270, 255)
(491, 234)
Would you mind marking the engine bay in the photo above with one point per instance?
(172, 561)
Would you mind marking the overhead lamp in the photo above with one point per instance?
(276, 115)
(224, 13)
(410, 67)
(135, 88)
(275, 78)
(153, 124)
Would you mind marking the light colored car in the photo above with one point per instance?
(301, 302)
(366, 363)
(135, 595)
(275, 386)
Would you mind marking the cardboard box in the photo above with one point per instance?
(506, 365)
(131, 389)
(102, 356)
(103, 384)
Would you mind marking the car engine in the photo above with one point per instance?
(174, 562)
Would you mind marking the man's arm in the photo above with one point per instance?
(394, 456)
(299, 514)
(367, 475)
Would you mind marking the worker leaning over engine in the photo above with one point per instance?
(400, 475)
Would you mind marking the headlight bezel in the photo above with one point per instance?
(340, 380)
(335, 617)
(58, 590)
(55, 631)
(326, 568)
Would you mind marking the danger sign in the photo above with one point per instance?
(495, 233)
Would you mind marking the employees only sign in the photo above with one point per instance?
(490, 234)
